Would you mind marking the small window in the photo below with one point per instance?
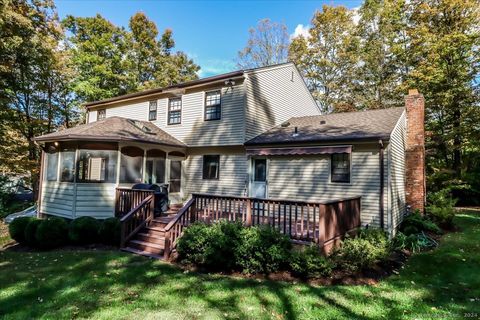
(174, 110)
(152, 110)
(52, 167)
(67, 165)
(101, 114)
(211, 167)
(213, 105)
(340, 166)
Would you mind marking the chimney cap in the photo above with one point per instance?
(412, 92)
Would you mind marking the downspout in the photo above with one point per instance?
(382, 184)
(40, 182)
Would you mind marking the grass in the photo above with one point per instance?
(104, 285)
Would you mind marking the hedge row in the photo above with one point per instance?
(229, 246)
(55, 232)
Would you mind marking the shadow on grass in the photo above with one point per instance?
(101, 284)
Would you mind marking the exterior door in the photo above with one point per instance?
(175, 176)
(259, 184)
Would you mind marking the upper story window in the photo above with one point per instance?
(152, 110)
(174, 110)
(340, 168)
(101, 114)
(211, 167)
(213, 105)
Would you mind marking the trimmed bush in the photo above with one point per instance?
(369, 247)
(210, 246)
(51, 233)
(17, 228)
(263, 249)
(84, 230)
(416, 223)
(109, 232)
(441, 208)
(30, 232)
(309, 263)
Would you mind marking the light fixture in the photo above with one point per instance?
(229, 82)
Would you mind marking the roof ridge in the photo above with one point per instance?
(347, 112)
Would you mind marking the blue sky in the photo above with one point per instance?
(210, 32)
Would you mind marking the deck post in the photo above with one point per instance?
(166, 252)
(321, 225)
(249, 212)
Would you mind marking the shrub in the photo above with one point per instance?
(84, 230)
(309, 263)
(413, 242)
(210, 246)
(416, 223)
(30, 232)
(441, 208)
(369, 247)
(17, 228)
(109, 232)
(51, 233)
(262, 249)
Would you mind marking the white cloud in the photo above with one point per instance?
(300, 30)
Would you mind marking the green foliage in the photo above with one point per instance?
(52, 233)
(416, 223)
(109, 231)
(413, 242)
(210, 246)
(369, 247)
(84, 230)
(17, 228)
(262, 249)
(310, 263)
(31, 231)
(441, 207)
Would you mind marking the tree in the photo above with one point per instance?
(327, 58)
(267, 45)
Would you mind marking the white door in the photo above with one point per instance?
(259, 183)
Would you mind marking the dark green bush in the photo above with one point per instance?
(441, 208)
(263, 250)
(369, 247)
(416, 223)
(51, 233)
(17, 228)
(109, 232)
(310, 263)
(210, 246)
(84, 230)
(30, 232)
(413, 242)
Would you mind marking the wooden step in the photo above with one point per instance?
(143, 253)
(154, 229)
(150, 237)
(146, 246)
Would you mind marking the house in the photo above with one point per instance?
(250, 134)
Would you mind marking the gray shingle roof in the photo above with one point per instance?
(348, 126)
(114, 129)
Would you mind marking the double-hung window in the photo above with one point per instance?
(152, 110)
(211, 167)
(175, 111)
(340, 168)
(213, 105)
(101, 114)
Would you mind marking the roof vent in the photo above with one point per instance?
(285, 124)
(295, 133)
(323, 121)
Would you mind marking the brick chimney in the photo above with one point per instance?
(415, 183)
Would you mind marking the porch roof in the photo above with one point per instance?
(114, 129)
(332, 128)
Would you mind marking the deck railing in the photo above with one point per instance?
(319, 222)
(127, 199)
(136, 219)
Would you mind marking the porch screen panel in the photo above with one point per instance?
(131, 165)
(97, 166)
(52, 166)
(67, 165)
(155, 166)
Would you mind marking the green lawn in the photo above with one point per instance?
(106, 285)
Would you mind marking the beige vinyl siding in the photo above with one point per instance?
(195, 131)
(397, 173)
(95, 200)
(272, 97)
(92, 116)
(233, 172)
(135, 111)
(308, 178)
(57, 198)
